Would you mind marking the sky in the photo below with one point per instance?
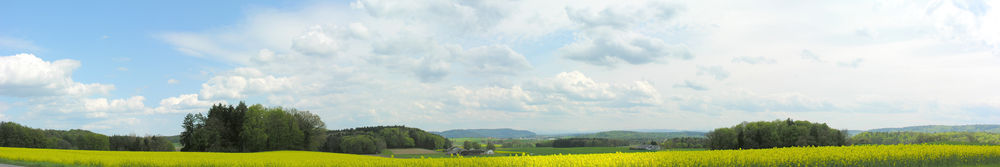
(559, 66)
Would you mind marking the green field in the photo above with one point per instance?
(579, 150)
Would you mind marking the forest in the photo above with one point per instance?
(775, 134)
(252, 129)
(372, 140)
(16, 135)
(583, 142)
(685, 142)
(633, 137)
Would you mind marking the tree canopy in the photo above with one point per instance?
(777, 133)
(249, 129)
(371, 140)
(16, 135)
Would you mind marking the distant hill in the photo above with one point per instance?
(942, 128)
(480, 133)
(853, 132)
(632, 135)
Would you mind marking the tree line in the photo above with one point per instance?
(239, 128)
(774, 134)
(685, 142)
(887, 138)
(582, 142)
(372, 140)
(516, 143)
(16, 135)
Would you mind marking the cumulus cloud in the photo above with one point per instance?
(754, 60)
(455, 16)
(574, 86)
(172, 81)
(970, 21)
(185, 103)
(691, 85)
(399, 59)
(24, 75)
(242, 82)
(495, 59)
(622, 15)
(133, 103)
(328, 39)
(607, 47)
(494, 98)
(426, 59)
(606, 37)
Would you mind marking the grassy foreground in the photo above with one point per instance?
(890, 155)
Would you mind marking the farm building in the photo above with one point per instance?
(645, 147)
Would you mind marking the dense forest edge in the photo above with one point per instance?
(16, 135)
(257, 128)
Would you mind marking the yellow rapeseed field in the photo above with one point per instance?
(886, 155)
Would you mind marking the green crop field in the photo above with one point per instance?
(571, 150)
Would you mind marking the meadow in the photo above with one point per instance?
(570, 150)
(870, 155)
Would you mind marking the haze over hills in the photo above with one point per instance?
(479, 133)
(942, 128)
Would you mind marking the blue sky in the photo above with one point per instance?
(125, 67)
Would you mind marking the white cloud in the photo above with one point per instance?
(172, 81)
(242, 82)
(133, 103)
(495, 60)
(972, 21)
(442, 15)
(574, 86)
(14, 44)
(607, 47)
(608, 36)
(851, 64)
(621, 15)
(328, 40)
(381, 62)
(24, 75)
(716, 71)
(100, 107)
(691, 85)
(494, 98)
(754, 60)
(809, 55)
(186, 103)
